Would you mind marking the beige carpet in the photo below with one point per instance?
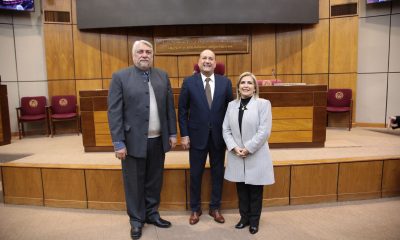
(367, 219)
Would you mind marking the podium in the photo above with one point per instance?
(298, 117)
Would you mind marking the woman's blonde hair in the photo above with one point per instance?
(245, 74)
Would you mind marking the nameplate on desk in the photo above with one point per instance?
(194, 45)
(290, 84)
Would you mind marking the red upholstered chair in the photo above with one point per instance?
(219, 68)
(63, 108)
(33, 109)
(339, 101)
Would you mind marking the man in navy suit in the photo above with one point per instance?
(203, 101)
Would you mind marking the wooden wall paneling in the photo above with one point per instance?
(87, 84)
(288, 49)
(320, 79)
(87, 54)
(313, 183)
(265, 77)
(59, 60)
(234, 29)
(22, 185)
(189, 30)
(324, 9)
(73, 12)
(57, 5)
(391, 178)
(220, 58)
(105, 189)
(290, 78)
(174, 82)
(185, 65)
(165, 31)
(234, 79)
(214, 29)
(64, 188)
(114, 51)
(360, 180)
(343, 81)
(277, 194)
(180, 81)
(106, 83)
(173, 194)
(1, 129)
(343, 45)
(168, 64)
(263, 50)
(138, 33)
(238, 63)
(61, 87)
(315, 47)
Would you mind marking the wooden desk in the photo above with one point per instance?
(5, 129)
(298, 115)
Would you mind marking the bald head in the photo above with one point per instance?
(207, 62)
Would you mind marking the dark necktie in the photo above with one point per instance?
(208, 92)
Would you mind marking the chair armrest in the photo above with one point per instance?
(18, 109)
(48, 110)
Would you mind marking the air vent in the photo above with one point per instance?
(57, 16)
(344, 9)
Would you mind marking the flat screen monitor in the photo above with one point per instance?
(17, 5)
(377, 1)
(129, 13)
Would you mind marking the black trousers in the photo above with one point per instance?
(250, 202)
(143, 178)
(198, 160)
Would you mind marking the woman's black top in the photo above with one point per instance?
(242, 108)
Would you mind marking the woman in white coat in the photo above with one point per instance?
(246, 129)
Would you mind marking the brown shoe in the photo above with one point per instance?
(216, 214)
(195, 217)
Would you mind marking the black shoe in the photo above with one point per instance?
(136, 232)
(253, 229)
(241, 225)
(161, 223)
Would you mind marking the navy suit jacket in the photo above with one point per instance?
(196, 119)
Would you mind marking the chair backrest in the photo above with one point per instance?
(339, 97)
(63, 104)
(219, 68)
(33, 105)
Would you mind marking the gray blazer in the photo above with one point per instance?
(256, 168)
(129, 108)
